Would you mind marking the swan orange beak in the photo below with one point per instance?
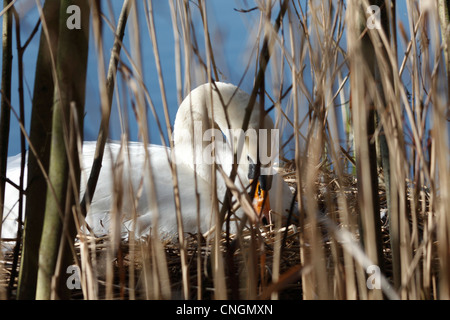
(261, 204)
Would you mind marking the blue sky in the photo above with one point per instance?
(231, 37)
(224, 22)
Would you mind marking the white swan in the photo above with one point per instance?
(125, 169)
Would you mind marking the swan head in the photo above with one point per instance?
(209, 129)
(261, 184)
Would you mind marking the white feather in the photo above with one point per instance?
(127, 168)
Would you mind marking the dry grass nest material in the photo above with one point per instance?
(132, 257)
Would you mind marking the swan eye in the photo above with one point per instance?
(251, 171)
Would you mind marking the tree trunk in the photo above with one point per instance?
(444, 15)
(383, 146)
(384, 152)
(5, 100)
(58, 230)
(363, 67)
(40, 135)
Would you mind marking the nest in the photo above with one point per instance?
(261, 263)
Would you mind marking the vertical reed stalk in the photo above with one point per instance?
(6, 96)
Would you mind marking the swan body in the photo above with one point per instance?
(125, 192)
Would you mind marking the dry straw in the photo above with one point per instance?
(365, 122)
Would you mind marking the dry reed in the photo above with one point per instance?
(318, 50)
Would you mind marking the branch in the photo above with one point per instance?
(103, 131)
